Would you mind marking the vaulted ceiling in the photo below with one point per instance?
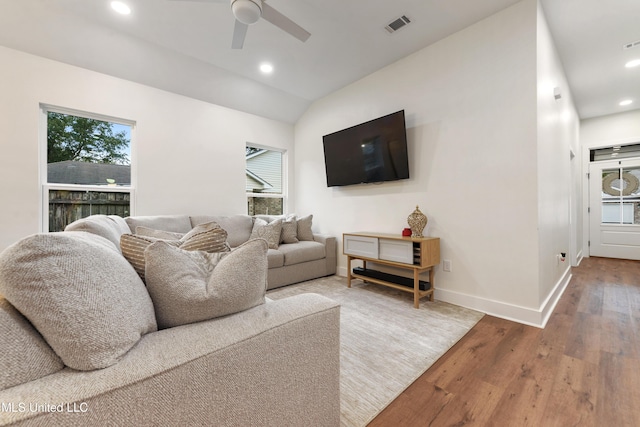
(185, 46)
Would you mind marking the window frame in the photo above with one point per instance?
(284, 174)
(46, 187)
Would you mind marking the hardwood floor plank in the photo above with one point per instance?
(416, 406)
(505, 356)
(618, 389)
(583, 341)
(583, 369)
(618, 336)
(464, 411)
(573, 396)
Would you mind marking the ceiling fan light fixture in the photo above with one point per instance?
(247, 11)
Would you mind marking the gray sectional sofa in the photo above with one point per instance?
(83, 342)
(312, 256)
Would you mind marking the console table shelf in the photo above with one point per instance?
(419, 254)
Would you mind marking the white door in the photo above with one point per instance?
(614, 206)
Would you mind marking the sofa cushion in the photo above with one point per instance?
(175, 223)
(275, 258)
(304, 228)
(110, 227)
(208, 237)
(303, 251)
(238, 227)
(82, 296)
(188, 287)
(25, 356)
(268, 231)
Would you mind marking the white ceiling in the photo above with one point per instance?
(184, 46)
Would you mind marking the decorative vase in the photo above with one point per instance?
(417, 221)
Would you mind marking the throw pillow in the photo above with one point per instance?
(133, 246)
(304, 228)
(207, 237)
(158, 234)
(191, 286)
(25, 356)
(289, 230)
(268, 231)
(82, 296)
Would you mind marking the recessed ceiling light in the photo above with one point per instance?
(632, 63)
(120, 7)
(266, 68)
(626, 102)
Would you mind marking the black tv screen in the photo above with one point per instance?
(375, 151)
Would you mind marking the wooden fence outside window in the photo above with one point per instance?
(66, 206)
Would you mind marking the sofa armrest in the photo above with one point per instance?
(331, 247)
(275, 364)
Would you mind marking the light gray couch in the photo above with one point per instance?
(274, 364)
(289, 263)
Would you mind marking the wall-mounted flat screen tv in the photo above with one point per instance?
(375, 151)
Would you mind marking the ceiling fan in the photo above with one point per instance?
(248, 12)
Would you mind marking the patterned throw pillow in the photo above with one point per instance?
(158, 234)
(304, 228)
(289, 230)
(208, 237)
(192, 286)
(268, 231)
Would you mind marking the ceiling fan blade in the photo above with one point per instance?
(239, 33)
(284, 23)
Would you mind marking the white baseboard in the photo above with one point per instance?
(528, 316)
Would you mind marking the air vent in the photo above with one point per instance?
(631, 45)
(394, 26)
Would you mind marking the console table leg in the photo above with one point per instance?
(349, 271)
(416, 288)
(433, 289)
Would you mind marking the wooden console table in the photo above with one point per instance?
(419, 254)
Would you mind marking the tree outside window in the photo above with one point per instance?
(88, 168)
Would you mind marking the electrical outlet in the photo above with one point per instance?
(446, 265)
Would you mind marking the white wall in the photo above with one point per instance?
(188, 155)
(558, 197)
(605, 131)
(471, 104)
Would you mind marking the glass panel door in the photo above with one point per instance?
(614, 201)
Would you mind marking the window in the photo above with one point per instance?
(265, 180)
(88, 167)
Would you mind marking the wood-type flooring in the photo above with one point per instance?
(582, 369)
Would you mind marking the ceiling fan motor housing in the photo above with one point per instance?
(247, 11)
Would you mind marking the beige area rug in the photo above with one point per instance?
(386, 344)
